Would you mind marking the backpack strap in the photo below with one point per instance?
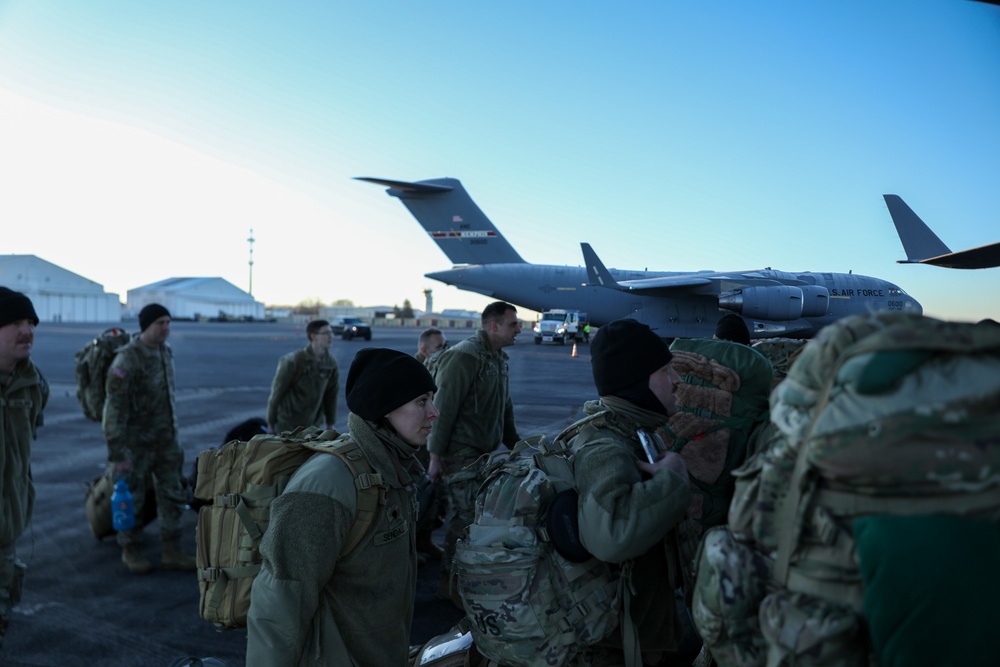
(554, 458)
(371, 489)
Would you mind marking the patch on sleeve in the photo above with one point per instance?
(118, 372)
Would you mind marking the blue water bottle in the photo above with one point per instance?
(122, 511)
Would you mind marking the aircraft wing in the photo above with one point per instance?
(705, 282)
(983, 257)
(406, 186)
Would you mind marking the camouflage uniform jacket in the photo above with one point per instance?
(310, 606)
(473, 397)
(21, 401)
(304, 390)
(139, 409)
(624, 514)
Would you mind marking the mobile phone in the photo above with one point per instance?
(651, 445)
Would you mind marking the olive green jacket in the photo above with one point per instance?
(304, 391)
(21, 401)
(626, 515)
(311, 605)
(473, 396)
(139, 408)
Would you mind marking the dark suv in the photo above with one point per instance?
(351, 327)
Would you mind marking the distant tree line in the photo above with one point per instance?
(311, 307)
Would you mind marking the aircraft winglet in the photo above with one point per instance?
(923, 246)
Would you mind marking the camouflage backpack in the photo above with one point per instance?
(529, 605)
(721, 399)
(240, 480)
(782, 352)
(92, 363)
(866, 532)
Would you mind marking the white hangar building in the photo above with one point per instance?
(58, 295)
(196, 298)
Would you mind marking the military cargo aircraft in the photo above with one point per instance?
(674, 304)
(923, 246)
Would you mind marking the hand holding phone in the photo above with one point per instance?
(652, 445)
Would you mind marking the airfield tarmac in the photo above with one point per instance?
(81, 607)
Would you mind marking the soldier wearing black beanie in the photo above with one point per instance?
(380, 380)
(15, 306)
(629, 498)
(22, 400)
(308, 536)
(150, 313)
(623, 356)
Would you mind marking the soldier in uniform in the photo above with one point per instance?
(431, 340)
(627, 505)
(21, 404)
(305, 385)
(311, 604)
(477, 416)
(140, 425)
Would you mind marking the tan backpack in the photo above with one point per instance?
(240, 480)
(97, 502)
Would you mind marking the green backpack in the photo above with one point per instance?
(721, 399)
(866, 531)
(92, 363)
(240, 480)
(528, 605)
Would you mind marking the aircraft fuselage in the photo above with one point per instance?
(694, 313)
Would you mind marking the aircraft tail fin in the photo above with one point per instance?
(918, 240)
(447, 213)
(597, 273)
(924, 247)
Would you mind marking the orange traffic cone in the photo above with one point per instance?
(574, 350)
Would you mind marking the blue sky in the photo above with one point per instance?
(143, 140)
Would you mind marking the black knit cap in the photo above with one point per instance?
(15, 306)
(624, 353)
(732, 327)
(380, 380)
(150, 313)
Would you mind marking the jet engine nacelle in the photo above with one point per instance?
(815, 300)
(774, 302)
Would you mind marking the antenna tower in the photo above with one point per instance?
(250, 241)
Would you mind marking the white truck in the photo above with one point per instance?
(559, 326)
